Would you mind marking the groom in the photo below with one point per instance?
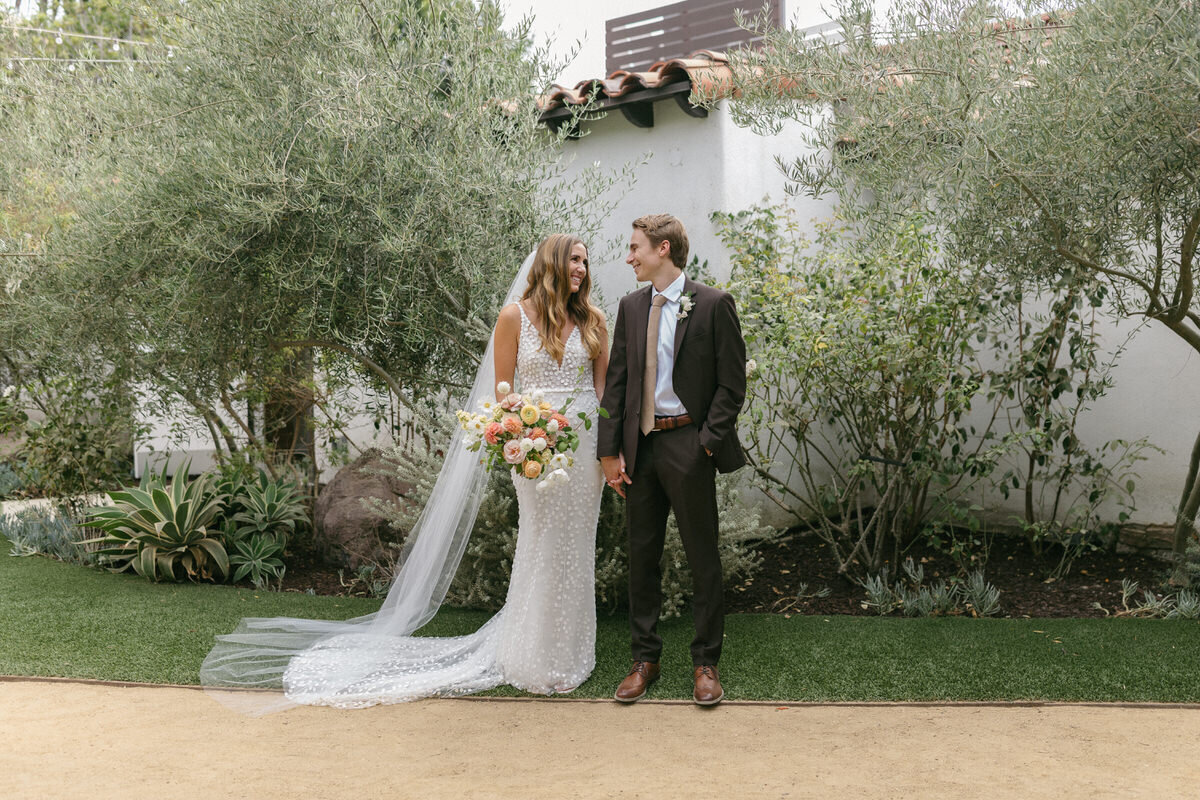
(675, 384)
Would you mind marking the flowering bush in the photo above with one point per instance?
(864, 364)
(526, 432)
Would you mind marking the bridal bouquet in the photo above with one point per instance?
(526, 432)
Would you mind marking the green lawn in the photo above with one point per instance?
(62, 620)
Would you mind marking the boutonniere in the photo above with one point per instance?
(685, 306)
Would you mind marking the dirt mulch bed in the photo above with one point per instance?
(1010, 566)
(796, 559)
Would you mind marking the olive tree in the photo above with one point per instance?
(361, 180)
(1050, 147)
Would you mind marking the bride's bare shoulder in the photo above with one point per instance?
(508, 323)
(510, 313)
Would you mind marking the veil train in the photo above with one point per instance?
(349, 659)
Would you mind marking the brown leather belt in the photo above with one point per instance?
(671, 423)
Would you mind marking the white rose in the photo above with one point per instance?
(503, 387)
(552, 426)
(526, 445)
(539, 444)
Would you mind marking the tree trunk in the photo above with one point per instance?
(1185, 521)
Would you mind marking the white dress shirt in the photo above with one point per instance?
(666, 402)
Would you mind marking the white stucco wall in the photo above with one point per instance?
(693, 167)
(177, 435)
(1156, 394)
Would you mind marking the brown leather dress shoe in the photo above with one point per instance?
(641, 675)
(707, 691)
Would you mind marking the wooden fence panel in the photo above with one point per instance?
(636, 41)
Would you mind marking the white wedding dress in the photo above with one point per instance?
(543, 639)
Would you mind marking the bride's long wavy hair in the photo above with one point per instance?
(554, 304)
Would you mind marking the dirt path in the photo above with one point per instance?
(77, 740)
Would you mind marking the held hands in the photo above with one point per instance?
(614, 473)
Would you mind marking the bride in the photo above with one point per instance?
(553, 339)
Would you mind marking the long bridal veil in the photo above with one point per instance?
(342, 656)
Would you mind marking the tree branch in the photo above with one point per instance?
(378, 33)
(1087, 262)
(170, 116)
(1186, 285)
(375, 369)
(227, 402)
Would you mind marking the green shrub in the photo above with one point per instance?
(259, 516)
(1183, 604)
(163, 532)
(863, 368)
(83, 442)
(975, 597)
(234, 524)
(10, 481)
(42, 531)
(267, 507)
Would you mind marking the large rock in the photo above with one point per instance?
(348, 532)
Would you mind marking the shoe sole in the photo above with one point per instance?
(712, 702)
(629, 700)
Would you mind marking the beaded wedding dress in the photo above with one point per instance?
(542, 640)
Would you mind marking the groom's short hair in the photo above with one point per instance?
(661, 228)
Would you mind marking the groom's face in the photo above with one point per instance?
(646, 259)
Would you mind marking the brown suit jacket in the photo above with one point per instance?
(709, 375)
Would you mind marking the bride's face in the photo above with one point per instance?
(577, 267)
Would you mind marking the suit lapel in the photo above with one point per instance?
(639, 306)
(681, 326)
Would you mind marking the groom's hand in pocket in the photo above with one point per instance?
(614, 473)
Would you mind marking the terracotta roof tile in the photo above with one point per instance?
(710, 75)
(704, 69)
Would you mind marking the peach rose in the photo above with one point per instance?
(533, 469)
(562, 421)
(512, 424)
(536, 433)
(492, 432)
(513, 453)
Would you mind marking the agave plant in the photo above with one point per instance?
(257, 557)
(268, 507)
(159, 529)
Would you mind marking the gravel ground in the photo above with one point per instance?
(68, 739)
